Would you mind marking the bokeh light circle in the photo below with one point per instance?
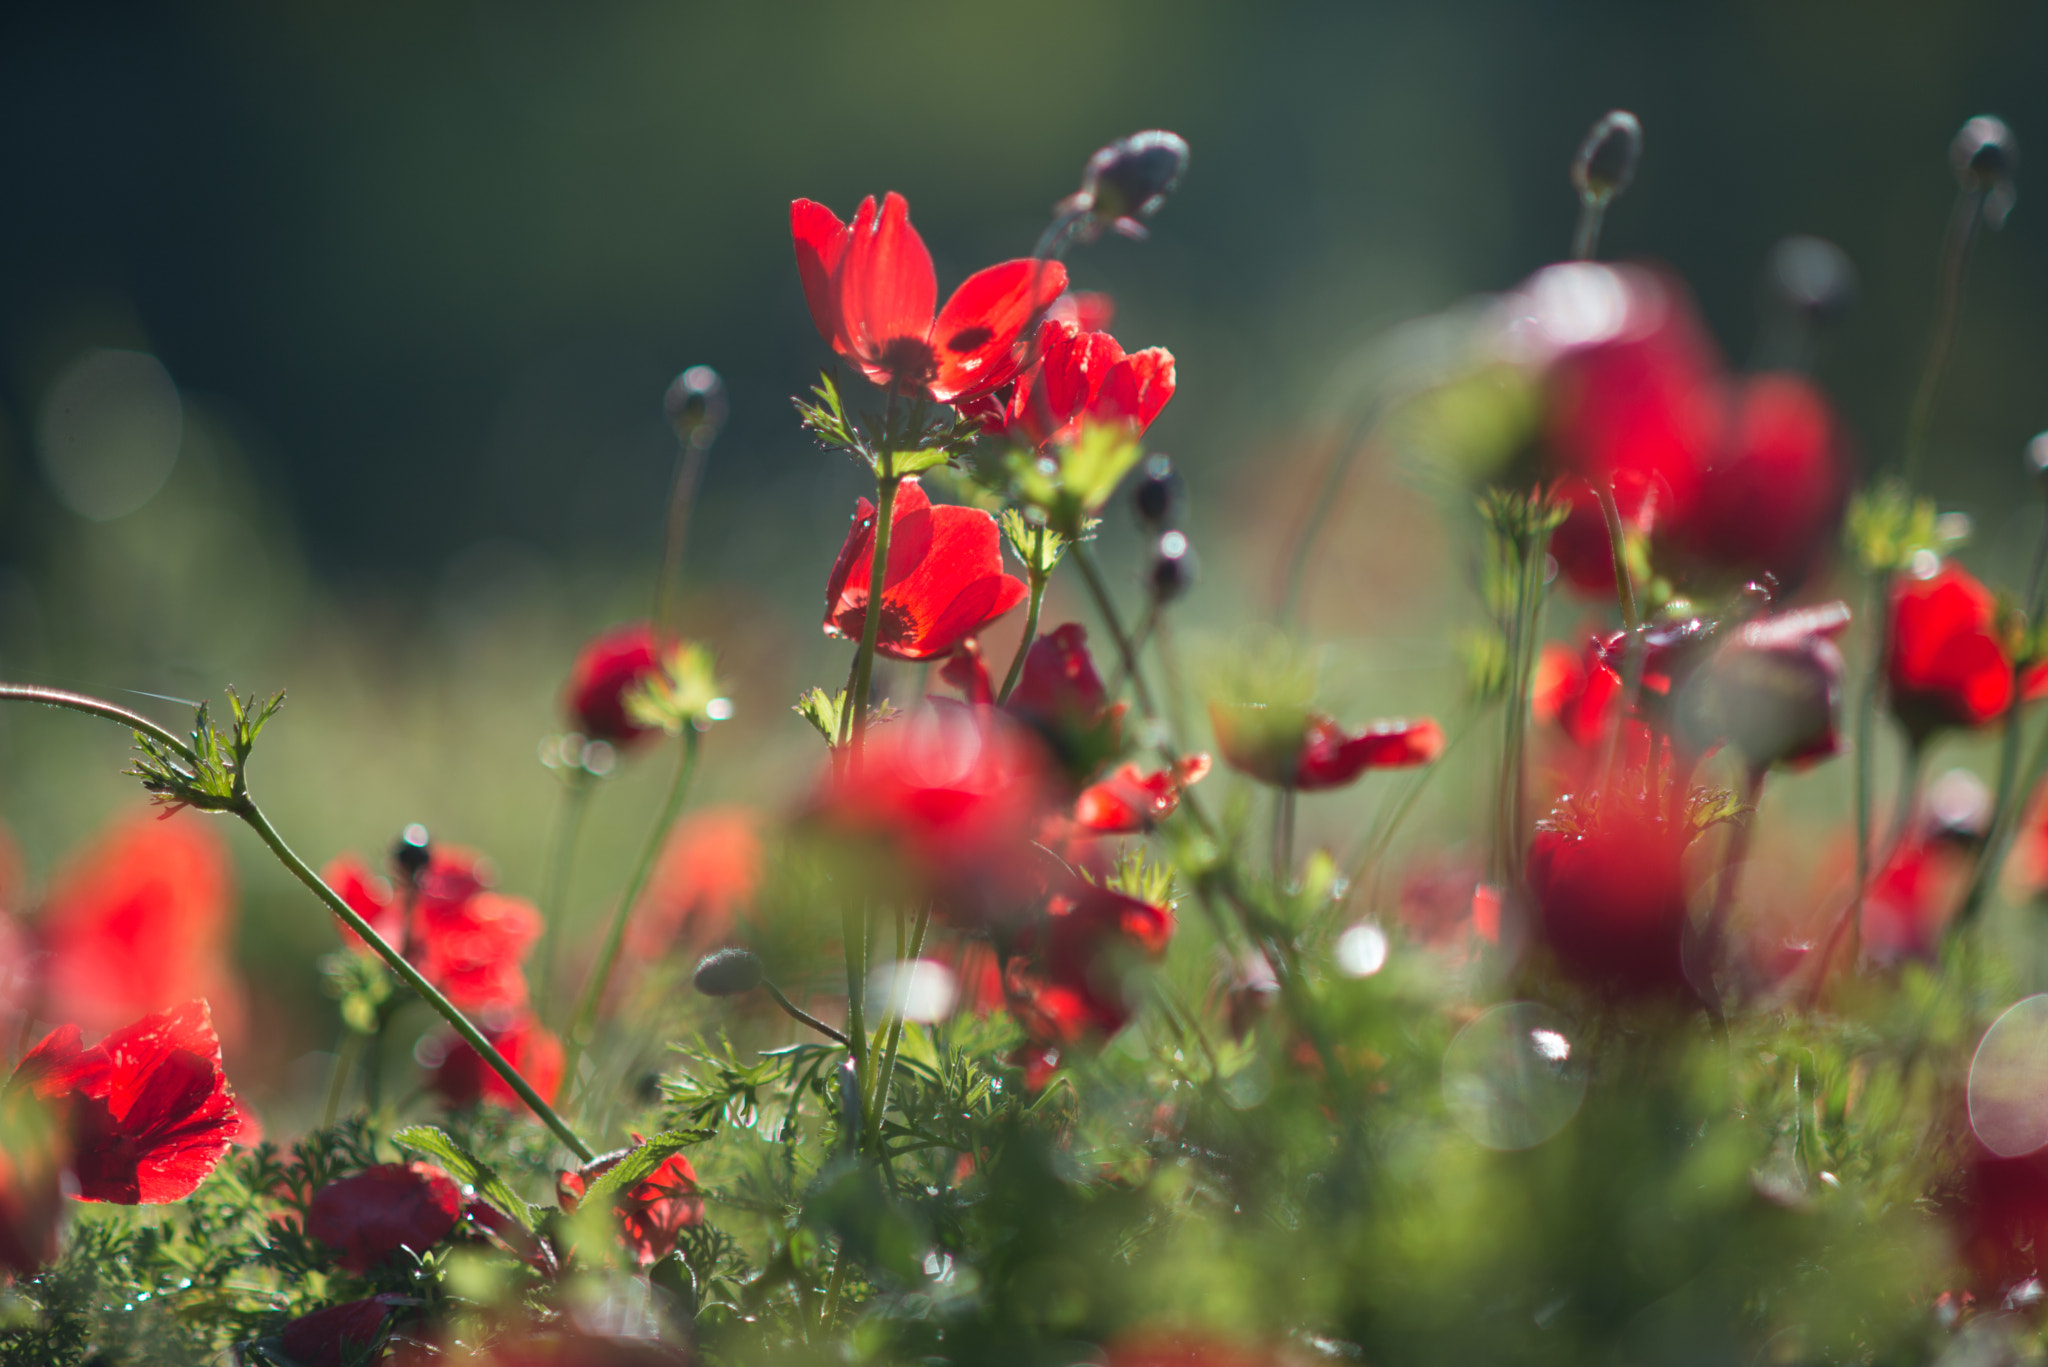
(109, 431)
(2008, 1092)
(1514, 1077)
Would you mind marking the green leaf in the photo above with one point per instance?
(640, 1161)
(822, 710)
(466, 1168)
(684, 692)
(1036, 544)
(917, 462)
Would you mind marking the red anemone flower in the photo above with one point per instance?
(706, 877)
(1293, 748)
(653, 1212)
(1078, 377)
(1069, 986)
(460, 1077)
(466, 940)
(1131, 801)
(340, 1334)
(140, 921)
(945, 580)
(872, 290)
(1945, 664)
(1060, 696)
(1612, 894)
(147, 1111)
(606, 672)
(956, 795)
(370, 1216)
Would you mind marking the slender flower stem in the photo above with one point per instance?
(682, 498)
(94, 707)
(871, 617)
(853, 932)
(1586, 235)
(569, 814)
(615, 934)
(1955, 257)
(1283, 835)
(1038, 580)
(253, 815)
(1878, 613)
(1617, 545)
(800, 1015)
(1099, 590)
(878, 1098)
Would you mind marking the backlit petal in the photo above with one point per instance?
(820, 242)
(975, 339)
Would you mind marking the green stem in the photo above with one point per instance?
(1586, 235)
(801, 1016)
(893, 1028)
(853, 931)
(1617, 545)
(1038, 583)
(1283, 835)
(615, 935)
(1878, 614)
(569, 813)
(95, 707)
(253, 815)
(1099, 590)
(871, 617)
(1955, 256)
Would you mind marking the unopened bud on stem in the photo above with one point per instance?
(1123, 183)
(1156, 491)
(2037, 456)
(1985, 155)
(729, 973)
(1607, 158)
(412, 852)
(695, 404)
(1814, 277)
(1173, 567)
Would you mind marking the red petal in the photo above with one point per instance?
(887, 291)
(1331, 759)
(910, 540)
(1136, 388)
(1072, 367)
(820, 243)
(976, 336)
(955, 587)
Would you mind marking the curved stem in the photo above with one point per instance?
(682, 497)
(1586, 235)
(885, 1072)
(871, 615)
(800, 1015)
(1106, 605)
(253, 815)
(615, 934)
(569, 813)
(1038, 583)
(1878, 614)
(1617, 545)
(95, 707)
(1955, 255)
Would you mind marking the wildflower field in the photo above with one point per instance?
(1632, 953)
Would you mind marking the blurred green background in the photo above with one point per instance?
(420, 272)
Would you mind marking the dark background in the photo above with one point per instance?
(439, 259)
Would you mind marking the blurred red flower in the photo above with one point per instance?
(956, 795)
(653, 1212)
(871, 290)
(944, 583)
(340, 1335)
(606, 672)
(1131, 801)
(1945, 664)
(147, 1111)
(1770, 497)
(1287, 747)
(1612, 893)
(1077, 377)
(1067, 983)
(1182, 1348)
(2002, 1214)
(1060, 696)
(706, 876)
(460, 1077)
(139, 921)
(466, 940)
(369, 1216)
(1577, 691)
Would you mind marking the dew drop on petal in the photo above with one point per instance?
(1511, 1080)
(2008, 1091)
(1362, 950)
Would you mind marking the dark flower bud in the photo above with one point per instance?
(1984, 153)
(1129, 179)
(2037, 455)
(1157, 491)
(729, 972)
(1173, 567)
(1773, 692)
(1607, 158)
(695, 404)
(1814, 277)
(412, 852)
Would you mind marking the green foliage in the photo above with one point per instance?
(211, 776)
(1888, 527)
(1038, 546)
(1068, 486)
(684, 692)
(466, 1168)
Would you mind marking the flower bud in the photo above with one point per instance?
(1173, 567)
(1814, 277)
(412, 852)
(1984, 153)
(695, 404)
(1607, 158)
(1129, 179)
(2037, 456)
(729, 973)
(1156, 493)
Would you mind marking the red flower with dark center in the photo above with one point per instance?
(606, 672)
(147, 1111)
(370, 1216)
(340, 1334)
(460, 1077)
(1945, 664)
(1612, 894)
(465, 940)
(1131, 801)
(956, 795)
(653, 1212)
(1292, 747)
(1769, 500)
(141, 921)
(1070, 987)
(945, 579)
(872, 290)
(1078, 377)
